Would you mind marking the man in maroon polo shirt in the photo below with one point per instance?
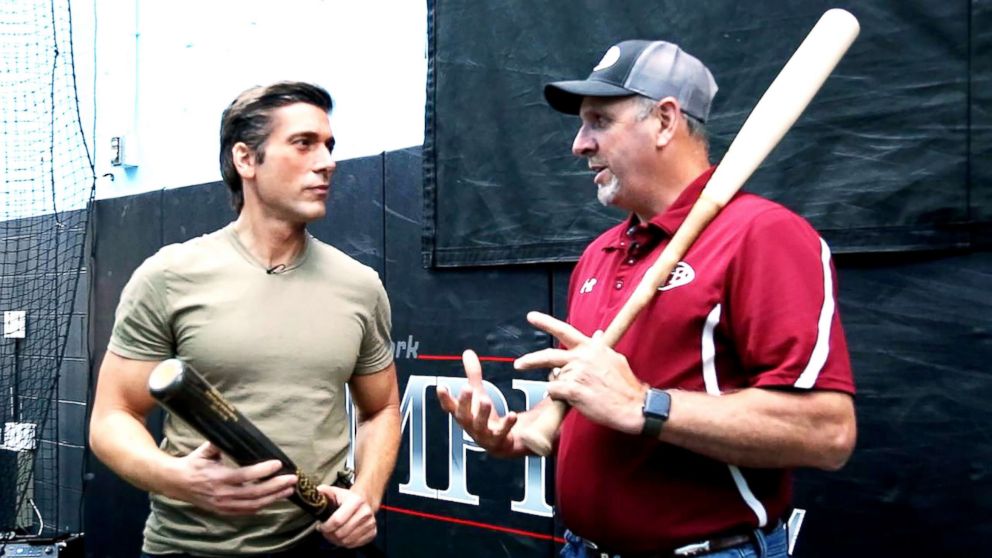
(681, 440)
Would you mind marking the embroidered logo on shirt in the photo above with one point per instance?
(683, 274)
(588, 285)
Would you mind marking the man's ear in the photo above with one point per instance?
(244, 160)
(667, 112)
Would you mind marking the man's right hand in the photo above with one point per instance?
(474, 412)
(202, 479)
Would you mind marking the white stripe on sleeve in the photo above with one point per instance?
(708, 349)
(822, 347)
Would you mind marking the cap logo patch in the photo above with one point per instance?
(609, 59)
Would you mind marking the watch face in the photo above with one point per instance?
(657, 403)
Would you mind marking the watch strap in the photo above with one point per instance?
(652, 426)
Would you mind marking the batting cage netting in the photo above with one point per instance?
(48, 184)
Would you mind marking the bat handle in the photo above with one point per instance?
(312, 501)
(540, 433)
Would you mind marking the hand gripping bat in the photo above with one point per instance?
(776, 112)
(182, 391)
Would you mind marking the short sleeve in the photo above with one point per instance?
(142, 328)
(784, 316)
(377, 347)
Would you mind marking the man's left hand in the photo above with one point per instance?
(590, 375)
(353, 523)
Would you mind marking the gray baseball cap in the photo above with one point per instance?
(655, 69)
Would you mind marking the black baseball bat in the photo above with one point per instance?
(185, 393)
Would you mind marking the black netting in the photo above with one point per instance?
(48, 183)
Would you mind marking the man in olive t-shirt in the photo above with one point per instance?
(280, 322)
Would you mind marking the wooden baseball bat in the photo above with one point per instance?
(185, 393)
(776, 112)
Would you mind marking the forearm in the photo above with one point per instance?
(122, 442)
(764, 428)
(377, 444)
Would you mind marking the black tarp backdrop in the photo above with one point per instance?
(980, 152)
(892, 154)
(920, 481)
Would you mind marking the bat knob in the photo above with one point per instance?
(165, 376)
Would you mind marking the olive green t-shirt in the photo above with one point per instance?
(280, 346)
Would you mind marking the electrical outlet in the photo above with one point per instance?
(123, 151)
(116, 151)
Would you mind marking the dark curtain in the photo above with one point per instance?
(892, 154)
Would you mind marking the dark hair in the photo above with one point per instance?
(249, 119)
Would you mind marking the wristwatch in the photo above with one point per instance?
(657, 404)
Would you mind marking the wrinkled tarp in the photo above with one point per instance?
(892, 154)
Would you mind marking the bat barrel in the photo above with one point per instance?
(784, 101)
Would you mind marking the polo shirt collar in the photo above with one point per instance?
(665, 223)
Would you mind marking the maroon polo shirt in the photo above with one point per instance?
(753, 303)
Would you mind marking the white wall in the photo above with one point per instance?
(166, 69)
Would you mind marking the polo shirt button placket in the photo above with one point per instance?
(632, 253)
